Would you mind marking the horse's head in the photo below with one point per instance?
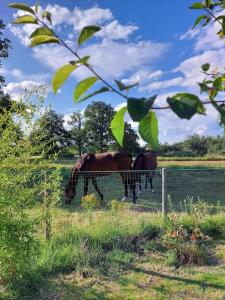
(70, 189)
(69, 193)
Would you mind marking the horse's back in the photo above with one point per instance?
(107, 161)
(145, 161)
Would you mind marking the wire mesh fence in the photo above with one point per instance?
(161, 190)
(175, 185)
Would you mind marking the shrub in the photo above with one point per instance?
(90, 202)
(116, 205)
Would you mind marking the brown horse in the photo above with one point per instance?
(91, 166)
(145, 162)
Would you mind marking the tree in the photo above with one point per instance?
(141, 110)
(130, 142)
(49, 134)
(197, 145)
(77, 132)
(98, 117)
(5, 102)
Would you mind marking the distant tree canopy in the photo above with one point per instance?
(5, 102)
(98, 117)
(77, 132)
(195, 145)
(49, 134)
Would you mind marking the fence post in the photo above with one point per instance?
(164, 192)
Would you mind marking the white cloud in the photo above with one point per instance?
(17, 89)
(143, 76)
(206, 38)
(110, 58)
(116, 31)
(18, 74)
(191, 68)
(113, 55)
(158, 85)
(172, 129)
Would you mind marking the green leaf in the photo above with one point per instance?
(87, 32)
(123, 87)
(117, 125)
(61, 75)
(148, 130)
(42, 31)
(218, 83)
(205, 67)
(27, 19)
(223, 26)
(83, 61)
(43, 39)
(83, 86)
(198, 20)
(197, 5)
(36, 7)
(47, 15)
(203, 87)
(185, 105)
(221, 109)
(22, 6)
(139, 108)
(208, 3)
(101, 90)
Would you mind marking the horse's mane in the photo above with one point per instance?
(136, 159)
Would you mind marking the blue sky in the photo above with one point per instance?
(143, 40)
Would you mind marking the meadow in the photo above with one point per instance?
(126, 251)
(122, 254)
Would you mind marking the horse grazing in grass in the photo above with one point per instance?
(91, 166)
(145, 162)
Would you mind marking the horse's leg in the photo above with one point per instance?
(86, 179)
(151, 182)
(94, 181)
(134, 193)
(147, 178)
(139, 182)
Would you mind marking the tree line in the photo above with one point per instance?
(195, 145)
(87, 131)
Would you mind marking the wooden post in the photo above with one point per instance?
(164, 192)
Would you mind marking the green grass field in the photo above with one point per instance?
(93, 255)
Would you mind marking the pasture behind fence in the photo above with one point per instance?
(173, 190)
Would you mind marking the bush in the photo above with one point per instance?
(116, 205)
(90, 202)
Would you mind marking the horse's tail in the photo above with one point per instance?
(136, 161)
(131, 158)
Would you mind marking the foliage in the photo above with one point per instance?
(4, 49)
(17, 194)
(90, 202)
(77, 132)
(195, 145)
(23, 186)
(98, 116)
(49, 134)
(130, 141)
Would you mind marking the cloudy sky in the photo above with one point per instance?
(146, 41)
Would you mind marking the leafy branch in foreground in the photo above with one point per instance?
(184, 105)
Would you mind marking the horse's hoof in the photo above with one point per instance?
(139, 192)
(123, 199)
(153, 191)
